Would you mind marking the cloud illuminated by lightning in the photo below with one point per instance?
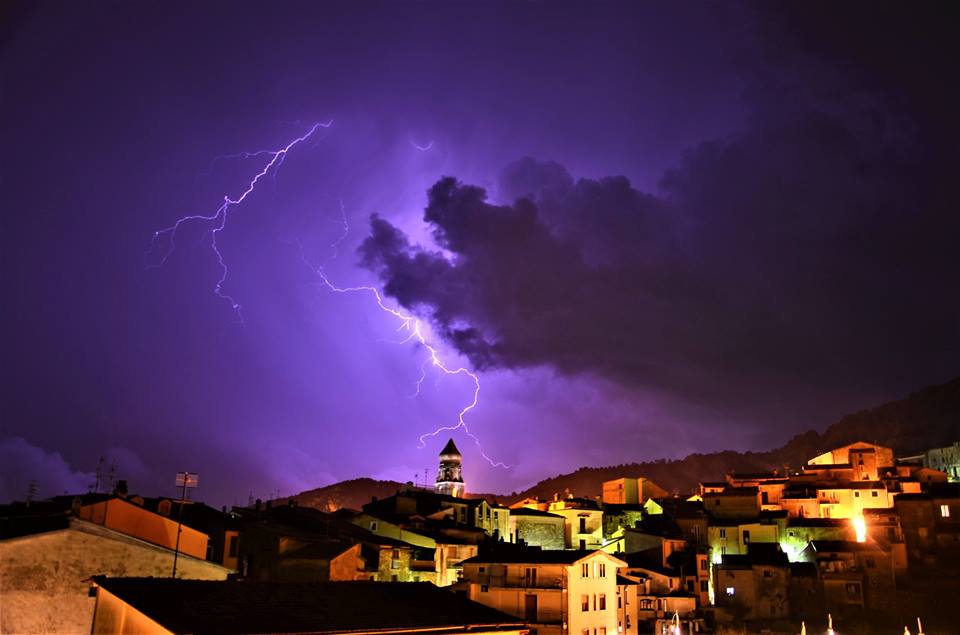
(409, 323)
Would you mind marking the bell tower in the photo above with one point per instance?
(449, 478)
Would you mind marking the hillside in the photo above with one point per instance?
(925, 419)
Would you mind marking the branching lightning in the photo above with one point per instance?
(409, 323)
(219, 218)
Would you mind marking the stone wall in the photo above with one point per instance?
(45, 577)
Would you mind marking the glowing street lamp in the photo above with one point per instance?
(860, 528)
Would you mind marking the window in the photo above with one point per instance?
(856, 493)
(394, 578)
(482, 569)
(870, 562)
(767, 573)
(586, 631)
(689, 586)
(603, 630)
(585, 570)
(234, 546)
(583, 525)
(703, 564)
(603, 570)
(603, 602)
(746, 536)
(619, 601)
(730, 591)
(646, 604)
(396, 554)
(373, 525)
(484, 588)
(874, 493)
(584, 602)
(583, 544)
(944, 511)
(530, 576)
(703, 586)
(395, 564)
(451, 552)
(723, 532)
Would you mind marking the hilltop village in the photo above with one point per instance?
(857, 533)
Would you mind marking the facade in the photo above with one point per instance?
(583, 522)
(45, 573)
(449, 476)
(554, 592)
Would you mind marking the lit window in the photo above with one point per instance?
(730, 590)
(945, 511)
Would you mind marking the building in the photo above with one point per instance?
(149, 605)
(945, 460)
(630, 491)
(853, 575)
(583, 522)
(754, 586)
(537, 528)
(554, 592)
(449, 476)
(930, 523)
(46, 560)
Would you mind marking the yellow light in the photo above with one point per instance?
(860, 527)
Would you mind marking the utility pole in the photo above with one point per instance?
(184, 480)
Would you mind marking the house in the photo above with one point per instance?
(583, 522)
(553, 591)
(537, 528)
(755, 585)
(852, 574)
(47, 557)
(865, 460)
(630, 491)
(930, 522)
(221, 527)
(946, 459)
(126, 605)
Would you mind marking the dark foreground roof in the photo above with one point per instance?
(234, 608)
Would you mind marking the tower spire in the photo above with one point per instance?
(449, 476)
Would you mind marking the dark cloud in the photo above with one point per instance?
(812, 249)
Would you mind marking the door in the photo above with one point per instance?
(530, 608)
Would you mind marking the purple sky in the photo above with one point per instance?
(737, 222)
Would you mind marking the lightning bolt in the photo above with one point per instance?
(422, 148)
(219, 217)
(409, 323)
(413, 326)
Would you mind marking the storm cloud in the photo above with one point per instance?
(802, 251)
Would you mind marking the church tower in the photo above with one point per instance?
(449, 478)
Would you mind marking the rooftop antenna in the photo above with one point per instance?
(32, 491)
(184, 480)
(98, 473)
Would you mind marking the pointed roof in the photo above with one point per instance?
(450, 448)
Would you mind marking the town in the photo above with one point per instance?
(856, 540)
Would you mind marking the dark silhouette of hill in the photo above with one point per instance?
(925, 419)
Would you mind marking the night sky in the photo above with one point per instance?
(650, 229)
